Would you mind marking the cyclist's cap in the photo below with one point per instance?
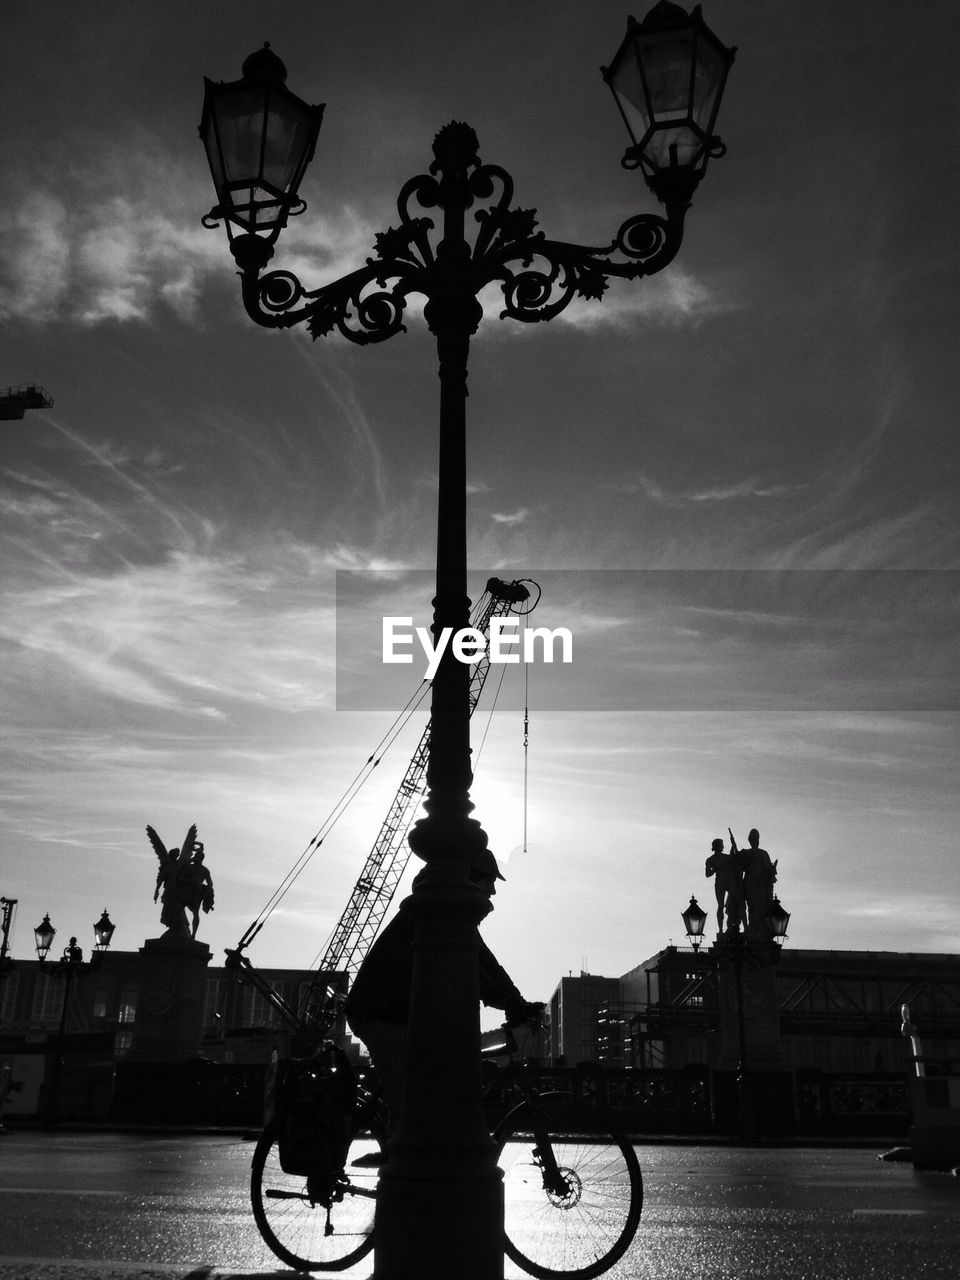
(483, 865)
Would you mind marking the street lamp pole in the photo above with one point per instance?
(440, 1203)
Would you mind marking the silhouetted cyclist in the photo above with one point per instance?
(378, 1005)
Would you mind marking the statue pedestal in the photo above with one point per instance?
(169, 1021)
(758, 997)
(757, 1102)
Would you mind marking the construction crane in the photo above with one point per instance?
(15, 401)
(386, 862)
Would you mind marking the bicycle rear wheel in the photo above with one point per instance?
(307, 1233)
(583, 1223)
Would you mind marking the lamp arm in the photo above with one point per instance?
(404, 263)
(553, 272)
(362, 313)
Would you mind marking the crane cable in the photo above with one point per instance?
(336, 813)
(526, 745)
(486, 728)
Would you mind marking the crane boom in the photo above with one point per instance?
(355, 931)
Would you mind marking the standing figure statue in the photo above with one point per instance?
(195, 886)
(759, 877)
(728, 884)
(183, 884)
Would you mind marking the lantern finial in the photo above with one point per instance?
(264, 67)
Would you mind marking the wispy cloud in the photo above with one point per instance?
(674, 297)
(740, 490)
(510, 518)
(103, 250)
(340, 389)
(118, 239)
(195, 634)
(920, 537)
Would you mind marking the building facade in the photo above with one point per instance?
(231, 1025)
(837, 1011)
(811, 1041)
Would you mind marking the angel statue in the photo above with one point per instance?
(183, 884)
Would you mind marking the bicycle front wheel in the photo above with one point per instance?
(309, 1233)
(574, 1214)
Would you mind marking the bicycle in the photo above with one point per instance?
(573, 1191)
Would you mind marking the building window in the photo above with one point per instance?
(211, 1004)
(127, 1008)
(48, 996)
(257, 1010)
(100, 997)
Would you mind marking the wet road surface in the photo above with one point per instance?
(75, 1206)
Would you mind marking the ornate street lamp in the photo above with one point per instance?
(667, 79)
(103, 931)
(259, 138)
(442, 1159)
(44, 934)
(694, 921)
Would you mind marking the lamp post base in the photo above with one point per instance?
(435, 1220)
(440, 1199)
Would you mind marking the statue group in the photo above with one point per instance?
(184, 884)
(744, 880)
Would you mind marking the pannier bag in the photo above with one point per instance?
(317, 1097)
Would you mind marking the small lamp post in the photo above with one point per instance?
(694, 921)
(44, 935)
(778, 919)
(259, 139)
(103, 931)
(69, 967)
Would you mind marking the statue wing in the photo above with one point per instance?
(158, 846)
(189, 841)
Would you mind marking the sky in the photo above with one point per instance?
(735, 482)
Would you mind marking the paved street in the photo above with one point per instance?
(76, 1206)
